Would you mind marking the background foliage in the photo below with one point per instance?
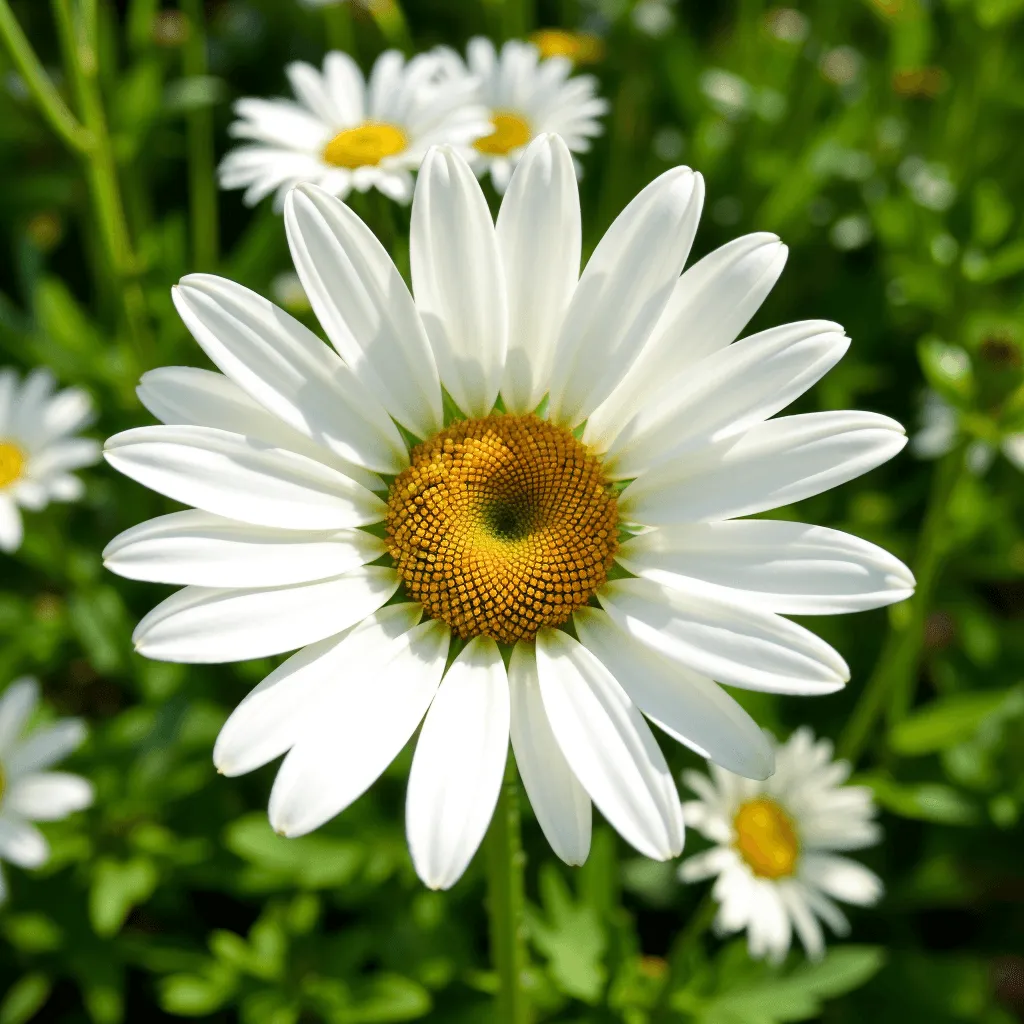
(882, 141)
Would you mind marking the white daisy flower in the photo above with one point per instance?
(29, 791)
(775, 865)
(38, 453)
(345, 133)
(497, 532)
(526, 96)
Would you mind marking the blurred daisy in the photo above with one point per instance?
(37, 450)
(775, 865)
(344, 133)
(526, 96)
(498, 527)
(29, 791)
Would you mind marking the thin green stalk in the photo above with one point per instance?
(202, 180)
(506, 901)
(891, 685)
(340, 31)
(38, 83)
(392, 23)
(680, 950)
(512, 19)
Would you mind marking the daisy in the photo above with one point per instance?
(526, 96)
(345, 133)
(37, 450)
(775, 861)
(433, 509)
(29, 791)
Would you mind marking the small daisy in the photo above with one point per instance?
(28, 790)
(37, 451)
(526, 96)
(775, 863)
(345, 133)
(498, 525)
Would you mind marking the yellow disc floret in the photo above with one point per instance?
(12, 463)
(365, 146)
(766, 838)
(510, 132)
(579, 47)
(501, 526)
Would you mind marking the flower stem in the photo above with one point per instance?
(506, 900)
(895, 674)
(512, 19)
(38, 83)
(391, 22)
(202, 180)
(340, 33)
(679, 952)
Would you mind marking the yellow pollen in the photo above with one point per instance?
(12, 462)
(501, 526)
(510, 132)
(766, 838)
(579, 47)
(365, 146)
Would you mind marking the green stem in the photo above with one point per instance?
(512, 19)
(340, 32)
(392, 23)
(895, 674)
(506, 900)
(202, 177)
(680, 950)
(38, 83)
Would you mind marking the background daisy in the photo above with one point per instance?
(38, 449)
(775, 860)
(347, 133)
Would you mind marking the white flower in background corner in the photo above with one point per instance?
(499, 527)
(526, 96)
(38, 453)
(29, 791)
(344, 133)
(775, 861)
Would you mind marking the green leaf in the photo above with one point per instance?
(25, 998)
(925, 801)
(950, 720)
(117, 887)
(194, 995)
(947, 368)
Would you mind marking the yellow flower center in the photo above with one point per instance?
(12, 463)
(365, 146)
(501, 526)
(579, 47)
(510, 132)
(766, 838)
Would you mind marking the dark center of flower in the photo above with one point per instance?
(501, 526)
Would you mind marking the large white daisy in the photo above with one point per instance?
(526, 96)
(775, 858)
(436, 510)
(38, 452)
(29, 791)
(346, 133)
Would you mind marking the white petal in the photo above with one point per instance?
(198, 549)
(202, 625)
(736, 645)
(11, 528)
(364, 306)
(707, 864)
(367, 716)
(45, 747)
(609, 746)
(289, 371)
(64, 456)
(725, 394)
(240, 478)
(273, 716)
(458, 280)
(773, 464)
(17, 703)
(459, 764)
(311, 90)
(539, 235)
(48, 796)
(842, 878)
(559, 801)
(22, 843)
(785, 567)
(622, 293)
(1013, 449)
(710, 304)
(689, 707)
(805, 924)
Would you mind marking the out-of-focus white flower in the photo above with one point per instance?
(728, 93)
(940, 430)
(525, 96)
(287, 292)
(929, 184)
(841, 65)
(851, 232)
(346, 133)
(788, 24)
(775, 859)
(38, 453)
(29, 791)
(654, 17)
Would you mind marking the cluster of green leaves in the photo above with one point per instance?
(881, 140)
